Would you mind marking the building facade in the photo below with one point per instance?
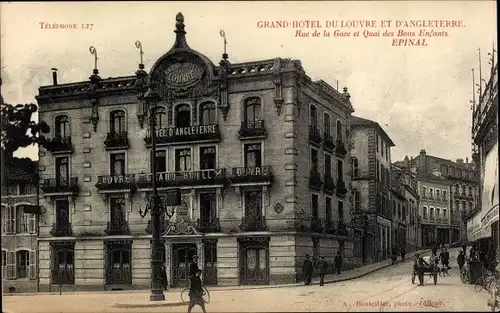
(482, 222)
(371, 161)
(19, 227)
(258, 151)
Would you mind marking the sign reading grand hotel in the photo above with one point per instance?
(187, 131)
(181, 176)
(183, 74)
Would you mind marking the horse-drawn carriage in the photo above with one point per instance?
(432, 269)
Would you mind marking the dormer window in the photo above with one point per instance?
(208, 113)
(182, 115)
(62, 126)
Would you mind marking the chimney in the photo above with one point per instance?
(54, 76)
(422, 161)
(460, 161)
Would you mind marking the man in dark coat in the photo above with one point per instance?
(196, 292)
(445, 260)
(338, 263)
(164, 279)
(403, 253)
(461, 260)
(193, 267)
(420, 267)
(307, 269)
(322, 266)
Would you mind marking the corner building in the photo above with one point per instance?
(244, 143)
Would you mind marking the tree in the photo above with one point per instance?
(19, 131)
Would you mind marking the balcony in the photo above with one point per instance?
(60, 186)
(211, 177)
(116, 141)
(60, 144)
(61, 229)
(252, 129)
(253, 223)
(330, 227)
(208, 225)
(115, 182)
(119, 227)
(249, 175)
(181, 135)
(328, 143)
(341, 189)
(314, 135)
(340, 149)
(342, 229)
(315, 181)
(329, 186)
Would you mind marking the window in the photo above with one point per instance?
(208, 114)
(425, 212)
(357, 200)
(313, 118)
(253, 155)
(62, 126)
(253, 110)
(376, 142)
(22, 263)
(207, 206)
(13, 189)
(399, 210)
(182, 160)
(62, 171)
(444, 195)
(438, 194)
(9, 219)
(117, 205)
(4, 260)
(444, 213)
(340, 131)
(394, 208)
(117, 122)
(326, 122)
(470, 206)
(341, 211)
(438, 212)
(355, 167)
(377, 171)
(27, 189)
(161, 118)
(182, 115)
(328, 209)
(314, 206)
(467, 190)
(452, 171)
(432, 213)
(431, 192)
(161, 161)
(117, 164)
(21, 220)
(253, 203)
(208, 158)
(382, 148)
(328, 165)
(340, 170)
(314, 160)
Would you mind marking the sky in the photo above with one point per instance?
(419, 95)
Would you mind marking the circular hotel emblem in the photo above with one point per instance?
(183, 74)
(278, 208)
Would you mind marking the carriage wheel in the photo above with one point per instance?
(435, 279)
(413, 278)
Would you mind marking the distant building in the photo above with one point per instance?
(259, 151)
(371, 159)
(19, 226)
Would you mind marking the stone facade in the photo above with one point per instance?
(250, 211)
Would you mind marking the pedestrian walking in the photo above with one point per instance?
(193, 267)
(307, 269)
(164, 279)
(403, 254)
(338, 263)
(420, 265)
(461, 260)
(196, 292)
(322, 266)
(445, 260)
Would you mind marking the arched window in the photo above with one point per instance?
(62, 126)
(22, 263)
(431, 213)
(161, 118)
(313, 118)
(326, 122)
(207, 113)
(182, 115)
(117, 122)
(340, 130)
(253, 110)
(425, 212)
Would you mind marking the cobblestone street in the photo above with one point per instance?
(389, 289)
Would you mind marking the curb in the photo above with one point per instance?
(149, 305)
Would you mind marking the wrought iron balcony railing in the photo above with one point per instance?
(117, 227)
(60, 144)
(253, 223)
(328, 143)
(187, 178)
(329, 186)
(340, 149)
(314, 135)
(341, 189)
(185, 134)
(208, 225)
(116, 140)
(60, 185)
(251, 174)
(61, 229)
(315, 181)
(252, 129)
(115, 182)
